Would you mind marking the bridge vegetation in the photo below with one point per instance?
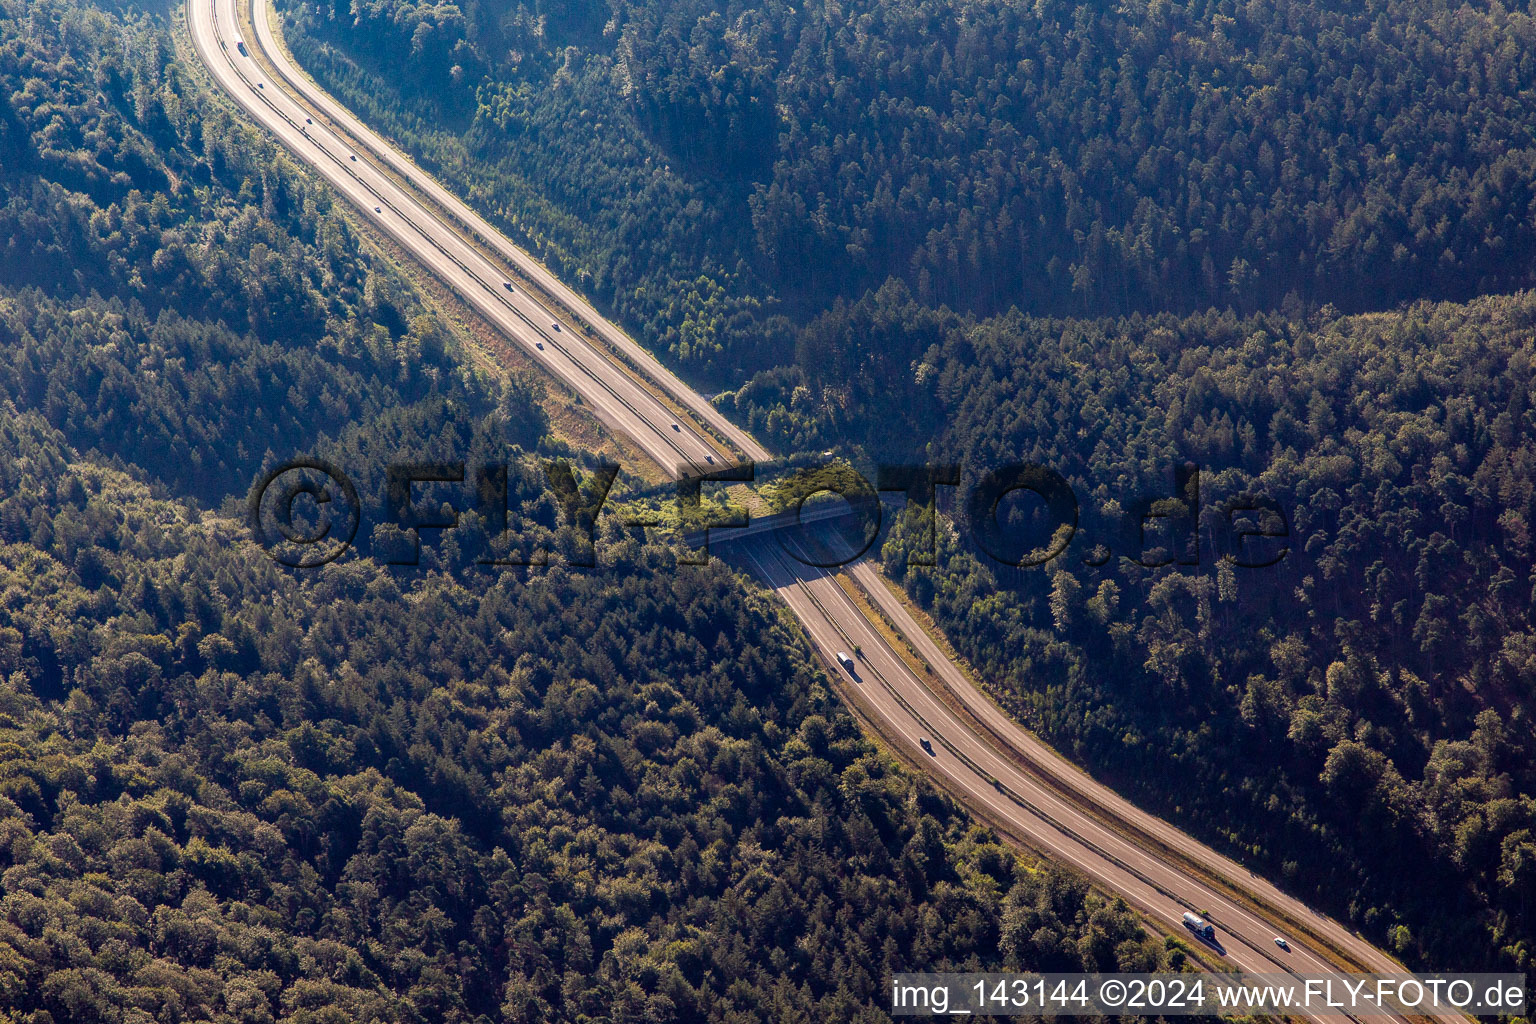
(1287, 241)
(235, 792)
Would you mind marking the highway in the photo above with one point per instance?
(993, 766)
(300, 85)
(618, 399)
(1008, 735)
(982, 767)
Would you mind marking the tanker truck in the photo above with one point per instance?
(1199, 926)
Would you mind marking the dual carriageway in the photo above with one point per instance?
(916, 699)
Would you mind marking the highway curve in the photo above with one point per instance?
(992, 765)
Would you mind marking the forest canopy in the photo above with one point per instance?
(1286, 242)
(699, 167)
(237, 793)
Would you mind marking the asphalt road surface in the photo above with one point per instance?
(616, 397)
(981, 765)
(996, 768)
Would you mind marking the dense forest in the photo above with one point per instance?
(1112, 239)
(1109, 240)
(163, 271)
(1355, 720)
(701, 167)
(235, 792)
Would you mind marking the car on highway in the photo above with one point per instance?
(507, 285)
(377, 210)
(709, 459)
(354, 158)
(308, 121)
(240, 45)
(1282, 943)
(555, 326)
(261, 85)
(845, 661)
(677, 428)
(540, 345)
(928, 746)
